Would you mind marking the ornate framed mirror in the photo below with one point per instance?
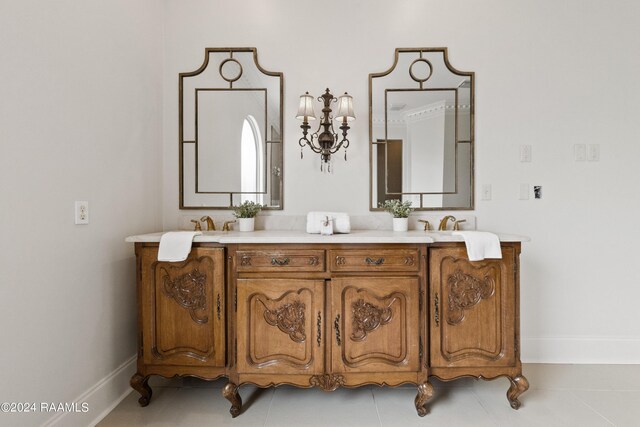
(230, 132)
(421, 132)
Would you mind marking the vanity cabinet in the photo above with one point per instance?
(328, 316)
(181, 316)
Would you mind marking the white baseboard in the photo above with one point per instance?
(581, 350)
(101, 398)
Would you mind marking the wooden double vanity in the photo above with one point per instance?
(271, 308)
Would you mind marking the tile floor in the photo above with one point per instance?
(560, 395)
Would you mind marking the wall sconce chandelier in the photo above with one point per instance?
(326, 142)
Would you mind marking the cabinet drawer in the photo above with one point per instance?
(290, 260)
(375, 260)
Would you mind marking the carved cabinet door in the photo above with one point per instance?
(279, 326)
(182, 308)
(472, 308)
(375, 324)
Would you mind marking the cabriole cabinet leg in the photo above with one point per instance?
(425, 391)
(230, 392)
(140, 384)
(519, 385)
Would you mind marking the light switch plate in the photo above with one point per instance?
(525, 153)
(486, 192)
(524, 191)
(593, 152)
(579, 152)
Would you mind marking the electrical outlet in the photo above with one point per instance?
(82, 212)
(486, 192)
(525, 153)
(579, 152)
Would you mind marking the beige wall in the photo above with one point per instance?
(80, 119)
(548, 73)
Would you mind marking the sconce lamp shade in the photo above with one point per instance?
(345, 109)
(305, 110)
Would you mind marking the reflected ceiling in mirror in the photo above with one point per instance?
(421, 132)
(230, 128)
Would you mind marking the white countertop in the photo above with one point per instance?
(298, 236)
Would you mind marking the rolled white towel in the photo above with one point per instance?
(341, 222)
(176, 245)
(314, 221)
(480, 244)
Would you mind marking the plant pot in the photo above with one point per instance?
(400, 224)
(246, 224)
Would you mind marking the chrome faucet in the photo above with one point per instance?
(225, 227)
(211, 226)
(197, 225)
(443, 222)
(427, 226)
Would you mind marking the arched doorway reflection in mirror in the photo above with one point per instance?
(252, 161)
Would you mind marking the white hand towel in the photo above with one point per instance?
(176, 245)
(480, 244)
(341, 222)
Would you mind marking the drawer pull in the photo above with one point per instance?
(378, 261)
(276, 261)
(336, 326)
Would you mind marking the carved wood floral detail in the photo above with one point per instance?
(188, 290)
(245, 261)
(465, 291)
(368, 317)
(289, 318)
(327, 382)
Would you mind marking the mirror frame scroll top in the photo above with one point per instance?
(406, 79)
(224, 70)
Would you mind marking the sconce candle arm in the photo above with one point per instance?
(344, 128)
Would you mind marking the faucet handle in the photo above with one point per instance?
(225, 227)
(197, 225)
(427, 226)
(456, 224)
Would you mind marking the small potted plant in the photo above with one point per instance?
(246, 214)
(400, 211)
